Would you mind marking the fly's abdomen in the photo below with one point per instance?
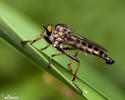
(105, 57)
(89, 48)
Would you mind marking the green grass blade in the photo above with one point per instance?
(14, 37)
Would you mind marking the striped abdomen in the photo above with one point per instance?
(90, 48)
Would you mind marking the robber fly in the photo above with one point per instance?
(62, 38)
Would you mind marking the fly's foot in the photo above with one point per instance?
(25, 41)
(48, 66)
(80, 91)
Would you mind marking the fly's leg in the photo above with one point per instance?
(70, 48)
(52, 58)
(74, 58)
(74, 76)
(32, 41)
(70, 63)
(76, 71)
(77, 87)
(45, 47)
(73, 79)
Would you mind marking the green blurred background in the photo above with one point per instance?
(102, 21)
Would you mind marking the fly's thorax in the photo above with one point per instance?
(56, 39)
(59, 34)
(62, 28)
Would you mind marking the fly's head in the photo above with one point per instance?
(48, 29)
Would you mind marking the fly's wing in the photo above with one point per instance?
(89, 41)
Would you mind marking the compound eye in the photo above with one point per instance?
(49, 28)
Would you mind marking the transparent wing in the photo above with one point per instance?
(89, 41)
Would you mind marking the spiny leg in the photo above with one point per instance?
(73, 79)
(52, 57)
(76, 71)
(77, 87)
(32, 41)
(70, 63)
(67, 54)
(73, 58)
(77, 60)
(70, 48)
